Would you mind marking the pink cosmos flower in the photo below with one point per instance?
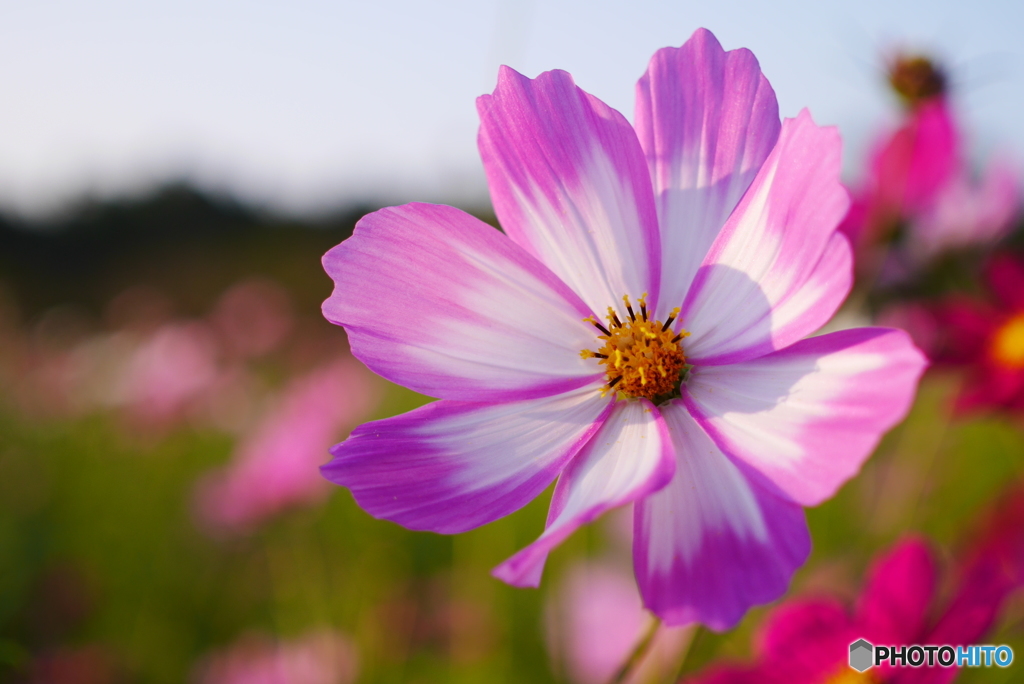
(596, 620)
(253, 318)
(807, 641)
(168, 370)
(708, 234)
(968, 213)
(322, 657)
(986, 337)
(276, 466)
(920, 182)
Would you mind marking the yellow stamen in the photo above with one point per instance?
(642, 356)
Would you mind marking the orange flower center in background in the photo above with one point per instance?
(643, 357)
(916, 78)
(847, 675)
(1007, 346)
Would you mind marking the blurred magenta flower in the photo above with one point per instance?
(276, 466)
(596, 619)
(321, 657)
(711, 212)
(807, 641)
(919, 189)
(986, 337)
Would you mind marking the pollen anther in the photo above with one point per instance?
(642, 357)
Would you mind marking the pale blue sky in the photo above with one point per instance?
(307, 105)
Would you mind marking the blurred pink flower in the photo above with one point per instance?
(920, 183)
(910, 166)
(595, 621)
(917, 319)
(253, 317)
(967, 213)
(806, 641)
(43, 373)
(995, 564)
(277, 466)
(169, 369)
(986, 338)
(322, 657)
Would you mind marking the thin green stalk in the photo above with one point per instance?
(638, 654)
(695, 634)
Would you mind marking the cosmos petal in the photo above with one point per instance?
(778, 270)
(803, 639)
(629, 458)
(712, 544)
(707, 120)
(826, 286)
(452, 466)
(893, 606)
(910, 169)
(804, 419)
(446, 305)
(570, 184)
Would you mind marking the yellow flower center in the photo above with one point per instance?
(642, 357)
(1008, 343)
(847, 675)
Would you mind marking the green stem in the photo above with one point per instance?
(638, 654)
(687, 649)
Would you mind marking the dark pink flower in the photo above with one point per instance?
(807, 641)
(986, 337)
(706, 237)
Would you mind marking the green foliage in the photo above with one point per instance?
(99, 544)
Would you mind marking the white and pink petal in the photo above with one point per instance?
(452, 466)
(629, 458)
(707, 120)
(777, 271)
(570, 184)
(436, 300)
(712, 544)
(804, 419)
